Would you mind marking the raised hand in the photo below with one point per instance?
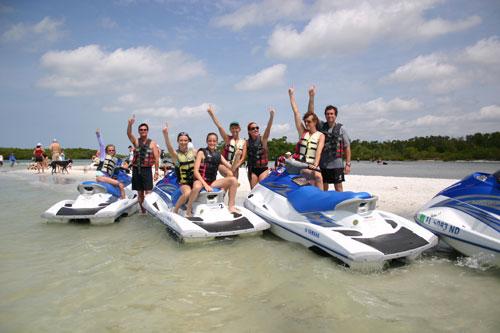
(312, 90)
(131, 120)
(291, 91)
(165, 129)
(272, 112)
(97, 131)
(210, 110)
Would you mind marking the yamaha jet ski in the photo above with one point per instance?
(345, 225)
(466, 216)
(98, 203)
(211, 219)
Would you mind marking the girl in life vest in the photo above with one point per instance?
(107, 165)
(235, 148)
(310, 144)
(258, 151)
(207, 163)
(183, 159)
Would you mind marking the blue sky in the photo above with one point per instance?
(396, 69)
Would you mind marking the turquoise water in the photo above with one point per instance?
(130, 277)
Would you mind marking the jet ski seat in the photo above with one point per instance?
(308, 199)
(93, 187)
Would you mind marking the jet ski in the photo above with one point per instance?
(345, 225)
(97, 202)
(211, 219)
(466, 216)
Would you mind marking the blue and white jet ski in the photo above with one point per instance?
(98, 203)
(466, 216)
(211, 219)
(345, 225)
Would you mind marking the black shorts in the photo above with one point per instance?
(38, 159)
(256, 171)
(142, 179)
(333, 176)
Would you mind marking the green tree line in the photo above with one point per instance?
(479, 146)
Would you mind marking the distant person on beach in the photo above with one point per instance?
(39, 155)
(183, 158)
(130, 156)
(12, 159)
(257, 164)
(235, 148)
(62, 157)
(310, 144)
(207, 163)
(55, 150)
(146, 155)
(107, 165)
(337, 146)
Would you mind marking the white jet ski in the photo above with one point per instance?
(211, 219)
(344, 225)
(98, 203)
(466, 216)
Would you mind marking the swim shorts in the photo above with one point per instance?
(333, 176)
(142, 179)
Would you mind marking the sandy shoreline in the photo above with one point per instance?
(400, 195)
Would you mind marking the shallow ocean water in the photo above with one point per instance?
(131, 276)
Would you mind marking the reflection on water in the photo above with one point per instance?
(131, 276)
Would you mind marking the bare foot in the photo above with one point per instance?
(234, 210)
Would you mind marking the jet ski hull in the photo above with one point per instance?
(211, 218)
(351, 231)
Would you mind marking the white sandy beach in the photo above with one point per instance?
(399, 195)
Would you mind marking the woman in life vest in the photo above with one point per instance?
(235, 148)
(310, 144)
(207, 163)
(38, 154)
(183, 159)
(257, 151)
(107, 164)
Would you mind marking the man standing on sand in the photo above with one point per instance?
(337, 145)
(55, 149)
(145, 156)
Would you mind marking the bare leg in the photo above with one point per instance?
(113, 182)
(326, 187)
(230, 184)
(339, 187)
(197, 186)
(263, 175)
(252, 179)
(141, 200)
(186, 190)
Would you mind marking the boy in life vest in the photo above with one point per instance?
(207, 163)
(183, 158)
(337, 145)
(146, 155)
(235, 148)
(310, 144)
(107, 165)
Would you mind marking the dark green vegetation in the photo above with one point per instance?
(479, 146)
(27, 154)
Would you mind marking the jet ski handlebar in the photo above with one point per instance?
(294, 166)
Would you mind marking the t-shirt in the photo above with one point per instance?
(337, 162)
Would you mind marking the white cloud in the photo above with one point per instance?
(490, 112)
(268, 77)
(380, 106)
(91, 70)
(486, 52)
(260, 13)
(427, 67)
(47, 30)
(358, 25)
(279, 130)
(171, 112)
(108, 23)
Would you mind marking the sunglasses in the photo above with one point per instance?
(254, 128)
(143, 129)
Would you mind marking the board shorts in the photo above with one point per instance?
(142, 179)
(333, 176)
(38, 158)
(256, 171)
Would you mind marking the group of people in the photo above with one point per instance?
(322, 145)
(12, 159)
(41, 158)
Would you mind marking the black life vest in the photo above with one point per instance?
(257, 155)
(334, 146)
(210, 165)
(143, 154)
